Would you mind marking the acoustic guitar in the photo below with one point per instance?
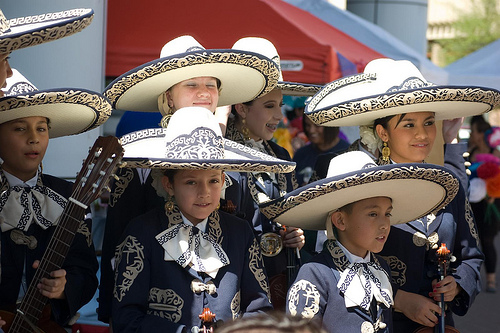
(92, 179)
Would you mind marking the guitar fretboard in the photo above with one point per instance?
(33, 302)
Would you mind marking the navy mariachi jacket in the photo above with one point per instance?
(411, 248)
(154, 295)
(315, 295)
(80, 264)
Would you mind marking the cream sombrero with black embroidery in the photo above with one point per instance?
(21, 32)
(267, 48)
(243, 75)
(70, 110)
(354, 176)
(193, 140)
(389, 87)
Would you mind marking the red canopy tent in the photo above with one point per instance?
(315, 51)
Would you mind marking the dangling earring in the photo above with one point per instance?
(386, 152)
(244, 129)
(169, 205)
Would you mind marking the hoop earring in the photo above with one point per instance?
(169, 205)
(244, 129)
(386, 152)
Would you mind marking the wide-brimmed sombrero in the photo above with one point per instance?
(243, 75)
(354, 176)
(267, 48)
(193, 140)
(389, 87)
(70, 110)
(21, 32)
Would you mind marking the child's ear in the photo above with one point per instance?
(167, 185)
(382, 133)
(241, 110)
(338, 220)
(223, 179)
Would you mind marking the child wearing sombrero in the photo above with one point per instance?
(176, 260)
(347, 286)
(32, 202)
(185, 75)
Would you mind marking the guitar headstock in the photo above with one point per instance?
(102, 161)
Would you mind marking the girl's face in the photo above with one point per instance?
(199, 91)
(411, 139)
(5, 71)
(23, 143)
(196, 192)
(263, 116)
(366, 227)
(476, 138)
(314, 132)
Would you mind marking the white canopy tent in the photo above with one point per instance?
(373, 36)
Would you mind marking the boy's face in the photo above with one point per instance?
(366, 227)
(23, 143)
(196, 192)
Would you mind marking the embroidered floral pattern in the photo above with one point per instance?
(470, 220)
(256, 265)
(132, 252)
(303, 289)
(398, 269)
(85, 231)
(165, 303)
(125, 176)
(16, 42)
(235, 305)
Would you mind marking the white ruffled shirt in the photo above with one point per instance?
(362, 281)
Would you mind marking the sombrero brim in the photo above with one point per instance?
(143, 149)
(244, 77)
(448, 102)
(38, 29)
(298, 89)
(70, 111)
(431, 186)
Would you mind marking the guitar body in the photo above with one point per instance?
(45, 324)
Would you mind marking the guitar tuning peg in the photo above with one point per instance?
(122, 164)
(107, 188)
(115, 176)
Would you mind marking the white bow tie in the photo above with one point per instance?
(187, 245)
(20, 206)
(360, 282)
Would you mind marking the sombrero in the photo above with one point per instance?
(243, 75)
(27, 31)
(70, 111)
(354, 176)
(267, 48)
(193, 140)
(389, 87)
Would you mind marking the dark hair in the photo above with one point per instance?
(170, 173)
(271, 322)
(329, 133)
(385, 121)
(347, 208)
(481, 124)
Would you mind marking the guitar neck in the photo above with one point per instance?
(33, 302)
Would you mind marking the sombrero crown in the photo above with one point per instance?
(27, 31)
(388, 87)
(70, 111)
(353, 176)
(193, 140)
(267, 48)
(243, 75)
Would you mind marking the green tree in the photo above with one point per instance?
(476, 26)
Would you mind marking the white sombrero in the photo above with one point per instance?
(388, 87)
(243, 75)
(193, 140)
(416, 190)
(27, 31)
(70, 111)
(265, 47)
